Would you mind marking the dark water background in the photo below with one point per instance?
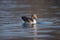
(13, 28)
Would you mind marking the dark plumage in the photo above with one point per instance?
(31, 19)
(26, 19)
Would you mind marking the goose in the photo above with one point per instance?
(30, 20)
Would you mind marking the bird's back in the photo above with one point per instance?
(26, 19)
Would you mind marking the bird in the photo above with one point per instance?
(30, 20)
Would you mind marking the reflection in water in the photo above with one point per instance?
(26, 25)
(34, 26)
(35, 32)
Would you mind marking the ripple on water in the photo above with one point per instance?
(14, 30)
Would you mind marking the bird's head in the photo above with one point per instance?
(34, 16)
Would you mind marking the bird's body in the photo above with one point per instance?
(30, 20)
